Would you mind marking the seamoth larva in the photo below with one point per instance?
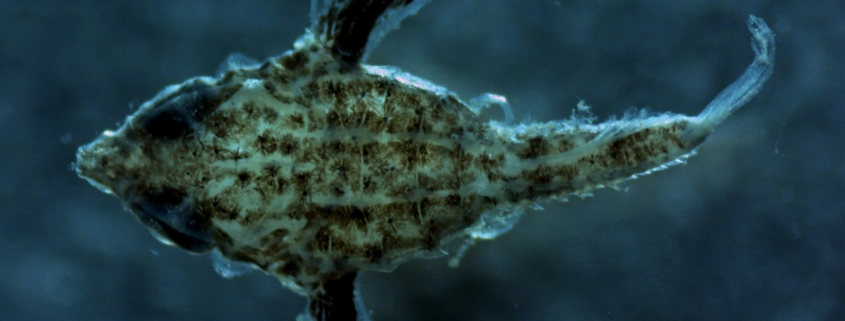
(313, 167)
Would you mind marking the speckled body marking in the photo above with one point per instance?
(313, 167)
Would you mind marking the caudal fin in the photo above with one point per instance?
(749, 83)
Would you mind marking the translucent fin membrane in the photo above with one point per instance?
(236, 61)
(487, 99)
(228, 268)
(353, 28)
(748, 85)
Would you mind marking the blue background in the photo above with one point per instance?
(753, 228)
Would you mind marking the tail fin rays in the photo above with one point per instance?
(749, 83)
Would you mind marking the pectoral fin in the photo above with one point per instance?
(352, 28)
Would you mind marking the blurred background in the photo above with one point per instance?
(753, 228)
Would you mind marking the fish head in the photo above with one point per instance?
(154, 163)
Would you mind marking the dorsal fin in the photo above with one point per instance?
(352, 28)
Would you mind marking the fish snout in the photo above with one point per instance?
(102, 162)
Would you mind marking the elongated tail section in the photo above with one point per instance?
(555, 159)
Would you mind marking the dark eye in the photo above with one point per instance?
(176, 116)
(173, 215)
(169, 123)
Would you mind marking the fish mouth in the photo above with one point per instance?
(96, 162)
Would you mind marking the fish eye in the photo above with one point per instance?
(176, 116)
(169, 122)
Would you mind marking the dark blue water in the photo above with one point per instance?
(753, 228)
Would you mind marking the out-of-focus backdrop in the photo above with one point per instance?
(753, 228)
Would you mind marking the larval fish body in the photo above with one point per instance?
(312, 166)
